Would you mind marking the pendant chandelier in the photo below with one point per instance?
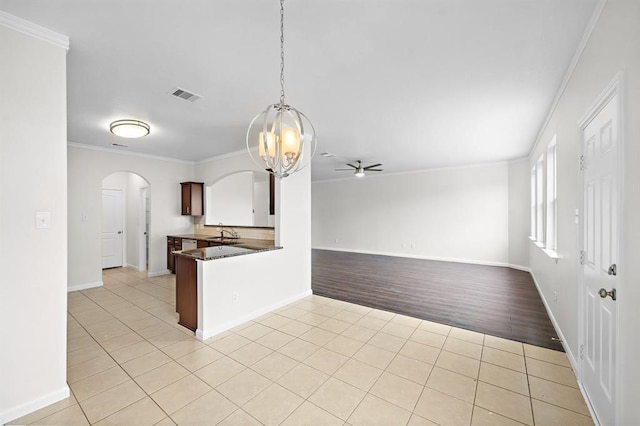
(278, 137)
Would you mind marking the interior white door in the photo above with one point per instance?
(600, 256)
(112, 227)
(143, 229)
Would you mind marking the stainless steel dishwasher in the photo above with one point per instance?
(189, 244)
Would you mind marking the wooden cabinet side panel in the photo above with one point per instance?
(187, 292)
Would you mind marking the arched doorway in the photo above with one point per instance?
(126, 215)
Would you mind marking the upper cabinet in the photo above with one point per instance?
(192, 198)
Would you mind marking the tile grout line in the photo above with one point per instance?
(308, 310)
(526, 369)
(120, 366)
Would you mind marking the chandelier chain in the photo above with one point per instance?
(281, 52)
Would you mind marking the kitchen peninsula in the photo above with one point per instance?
(203, 298)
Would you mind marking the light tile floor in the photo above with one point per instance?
(315, 362)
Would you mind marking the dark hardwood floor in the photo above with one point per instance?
(492, 300)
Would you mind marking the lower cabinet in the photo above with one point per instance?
(187, 292)
(173, 244)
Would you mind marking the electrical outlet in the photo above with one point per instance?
(43, 220)
(402, 245)
(234, 296)
(335, 241)
(413, 245)
(555, 297)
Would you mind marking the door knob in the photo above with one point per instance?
(119, 232)
(613, 270)
(604, 293)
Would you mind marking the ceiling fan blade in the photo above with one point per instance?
(345, 170)
(372, 166)
(351, 165)
(374, 170)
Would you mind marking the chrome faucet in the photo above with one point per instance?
(232, 232)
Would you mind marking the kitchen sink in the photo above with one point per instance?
(225, 240)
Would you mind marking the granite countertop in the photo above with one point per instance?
(218, 252)
(193, 236)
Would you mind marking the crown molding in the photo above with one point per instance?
(34, 30)
(130, 154)
(427, 170)
(595, 16)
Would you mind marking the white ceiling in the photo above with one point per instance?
(413, 84)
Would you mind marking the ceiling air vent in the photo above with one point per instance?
(183, 94)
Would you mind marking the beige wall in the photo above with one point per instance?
(614, 46)
(33, 178)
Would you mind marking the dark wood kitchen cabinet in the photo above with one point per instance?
(187, 292)
(192, 198)
(173, 244)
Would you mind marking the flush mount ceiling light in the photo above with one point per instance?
(280, 133)
(129, 128)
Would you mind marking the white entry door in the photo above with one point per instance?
(600, 256)
(112, 220)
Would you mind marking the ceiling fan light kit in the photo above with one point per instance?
(129, 128)
(281, 132)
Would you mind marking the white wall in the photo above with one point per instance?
(263, 280)
(458, 214)
(519, 212)
(614, 46)
(87, 168)
(130, 184)
(33, 165)
(230, 200)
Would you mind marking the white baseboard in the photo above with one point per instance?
(136, 267)
(84, 286)
(209, 333)
(570, 355)
(572, 359)
(423, 257)
(520, 267)
(158, 273)
(36, 404)
(567, 349)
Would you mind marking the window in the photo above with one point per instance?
(540, 201)
(552, 196)
(532, 235)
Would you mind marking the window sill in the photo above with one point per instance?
(553, 255)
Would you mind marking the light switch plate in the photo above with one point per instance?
(43, 220)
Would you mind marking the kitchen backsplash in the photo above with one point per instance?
(243, 232)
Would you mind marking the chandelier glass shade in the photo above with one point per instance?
(281, 139)
(282, 135)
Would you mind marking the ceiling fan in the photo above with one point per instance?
(359, 170)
